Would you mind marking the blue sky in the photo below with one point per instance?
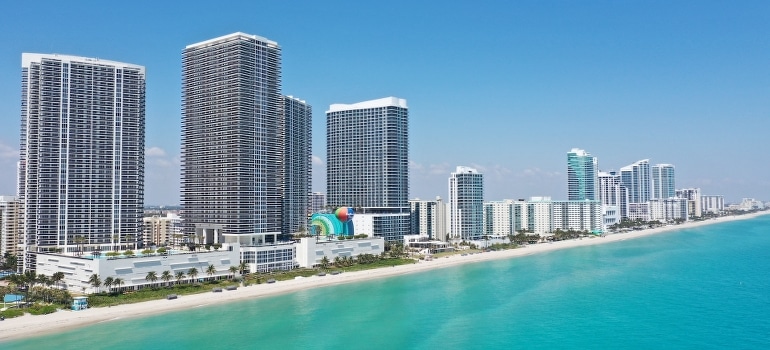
(508, 87)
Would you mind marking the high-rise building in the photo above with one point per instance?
(81, 173)
(428, 218)
(663, 186)
(317, 202)
(609, 188)
(232, 139)
(613, 196)
(297, 175)
(582, 176)
(367, 166)
(466, 204)
(10, 232)
(636, 179)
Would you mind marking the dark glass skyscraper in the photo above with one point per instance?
(297, 174)
(367, 149)
(232, 138)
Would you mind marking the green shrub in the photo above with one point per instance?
(11, 313)
(40, 309)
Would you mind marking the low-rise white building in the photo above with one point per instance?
(310, 250)
(712, 204)
(133, 270)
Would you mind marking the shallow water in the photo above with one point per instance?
(706, 287)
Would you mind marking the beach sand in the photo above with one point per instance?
(31, 326)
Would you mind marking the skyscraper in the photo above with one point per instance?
(232, 139)
(466, 203)
(297, 155)
(582, 176)
(663, 185)
(81, 173)
(367, 150)
(636, 179)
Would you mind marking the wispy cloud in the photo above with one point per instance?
(317, 160)
(537, 172)
(154, 152)
(8, 152)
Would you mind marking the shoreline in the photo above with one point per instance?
(29, 326)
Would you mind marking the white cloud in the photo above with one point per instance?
(537, 172)
(317, 160)
(8, 152)
(155, 152)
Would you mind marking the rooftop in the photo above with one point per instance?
(383, 102)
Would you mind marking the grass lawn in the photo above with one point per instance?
(146, 294)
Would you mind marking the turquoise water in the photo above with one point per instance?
(702, 288)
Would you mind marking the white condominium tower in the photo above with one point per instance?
(297, 153)
(81, 173)
(466, 203)
(636, 179)
(582, 176)
(232, 139)
(663, 186)
(367, 150)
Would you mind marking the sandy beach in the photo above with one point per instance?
(30, 326)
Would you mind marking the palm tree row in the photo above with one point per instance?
(152, 277)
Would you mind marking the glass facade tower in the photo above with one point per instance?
(367, 167)
(663, 185)
(232, 137)
(297, 154)
(582, 176)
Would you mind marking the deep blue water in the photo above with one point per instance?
(702, 288)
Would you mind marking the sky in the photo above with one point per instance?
(507, 87)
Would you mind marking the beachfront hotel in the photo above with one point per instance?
(297, 171)
(81, 172)
(582, 176)
(367, 165)
(232, 146)
(466, 204)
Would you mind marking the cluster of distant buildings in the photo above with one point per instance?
(246, 174)
(596, 202)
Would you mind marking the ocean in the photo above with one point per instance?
(701, 288)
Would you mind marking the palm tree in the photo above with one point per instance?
(324, 262)
(118, 281)
(233, 270)
(95, 281)
(57, 277)
(337, 261)
(243, 266)
(211, 270)
(151, 277)
(192, 272)
(179, 275)
(79, 240)
(108, 283)
(166, 276)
